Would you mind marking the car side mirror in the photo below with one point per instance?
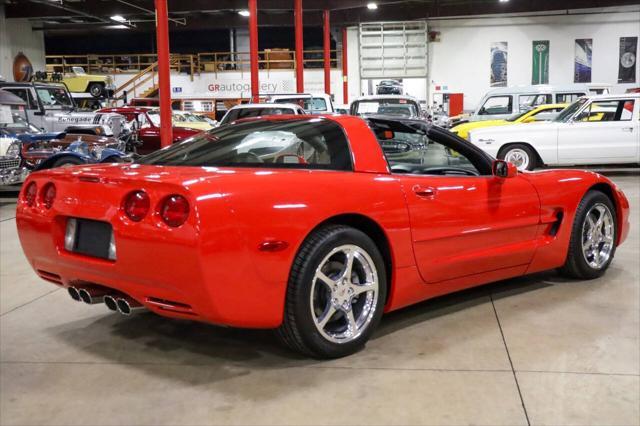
(504, 169)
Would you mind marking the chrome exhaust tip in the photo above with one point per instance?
(91, 296)
(111, 303)
(75, 295)
(128, 306)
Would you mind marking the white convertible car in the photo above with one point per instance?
(593, 130)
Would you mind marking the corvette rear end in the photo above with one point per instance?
(132, 238)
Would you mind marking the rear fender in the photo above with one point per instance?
(48, 163)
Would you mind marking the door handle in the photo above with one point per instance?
(627, 129)
(425, 192)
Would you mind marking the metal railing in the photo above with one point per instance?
(269, 59)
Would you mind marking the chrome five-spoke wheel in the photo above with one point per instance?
(344, 293)
(598, 231)
(336, 292)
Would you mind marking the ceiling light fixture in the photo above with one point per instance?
(118, 27)
(372, 6)
(244, 13)
(118, 18)
(503, 1)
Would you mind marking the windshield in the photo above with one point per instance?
(569, 111)
(307, 103)
(154, 117)
(395, 107)
(307, 144)
(54, 97)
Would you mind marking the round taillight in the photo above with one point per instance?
(136, 205)
(30, 194)
(48, 195)
(174, 210)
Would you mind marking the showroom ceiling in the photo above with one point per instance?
(85, 15)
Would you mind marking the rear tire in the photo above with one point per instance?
(522, 156)
(96, 89)
(593, 238)
(67, 162)
(329, 311)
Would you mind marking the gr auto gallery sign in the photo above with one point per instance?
(241, 88)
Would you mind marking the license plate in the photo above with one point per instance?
(90, 237)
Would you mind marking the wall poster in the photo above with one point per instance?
(582, 61)
(627, 60)
(499, 64)
(540, 70)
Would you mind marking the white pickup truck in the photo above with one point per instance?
(601, 129)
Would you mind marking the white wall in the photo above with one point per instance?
(461, 58)
(16, 36)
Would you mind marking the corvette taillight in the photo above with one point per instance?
(136, 205)
(48, 195)
(30, 194)
(174, 210)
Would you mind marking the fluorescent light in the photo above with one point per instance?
(372, 6)
(118, 18)
(118, 27)
(243, 12)
(503, 1)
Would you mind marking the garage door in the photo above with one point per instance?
(393, 49)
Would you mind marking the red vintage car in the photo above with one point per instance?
(313, 226)
(147, 121)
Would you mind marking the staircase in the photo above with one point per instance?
(144, 84)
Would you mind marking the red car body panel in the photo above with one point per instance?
(476, 230)
(150, 135)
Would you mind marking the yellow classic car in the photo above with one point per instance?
(190, 120)
(540, 113)
(78, 81)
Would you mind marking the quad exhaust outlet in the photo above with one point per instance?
(123, 304)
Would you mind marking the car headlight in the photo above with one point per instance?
(13, 150)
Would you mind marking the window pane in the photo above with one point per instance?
(308, 144)
(415, 153)
(496, 105)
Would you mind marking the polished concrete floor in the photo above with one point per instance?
(537, 350)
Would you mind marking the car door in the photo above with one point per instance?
(464, 220)
(604, 131)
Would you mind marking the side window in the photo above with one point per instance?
(231, 116)
(528, 102)
(497, 105)
(25, 95)
(566, 98)
(607, 110)
(413, 152)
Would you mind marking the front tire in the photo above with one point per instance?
(336, 293)
(593, 237)
(520, 155)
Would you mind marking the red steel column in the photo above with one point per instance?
(164, 73)
(253, 49)
(345, 69)
(327, 52)
(299, 47)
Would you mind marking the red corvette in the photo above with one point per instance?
(314, 226)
